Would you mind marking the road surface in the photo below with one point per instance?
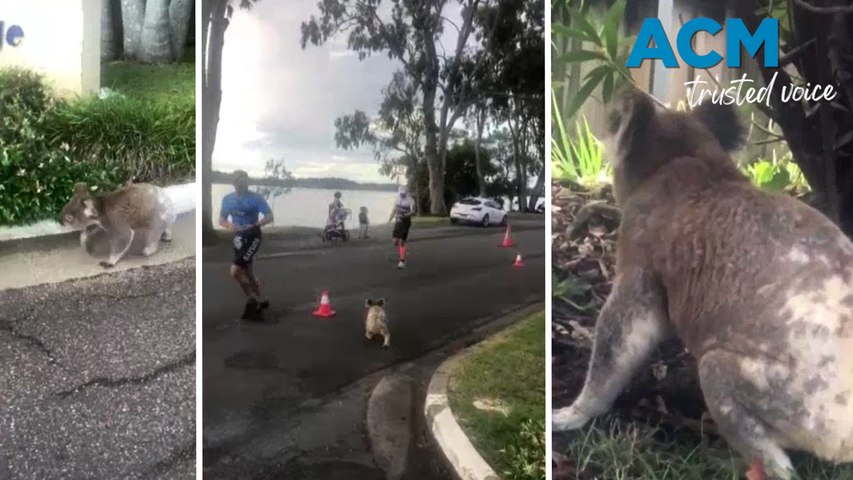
(97, 376)
(287, 398)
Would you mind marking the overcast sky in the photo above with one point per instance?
(280, 101)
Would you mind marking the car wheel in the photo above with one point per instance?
(485, 221)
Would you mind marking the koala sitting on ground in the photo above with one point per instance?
(758, 286)
(120, 216)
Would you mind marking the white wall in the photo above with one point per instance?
(61, 39)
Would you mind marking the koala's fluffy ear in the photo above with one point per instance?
(81, 188)
(368, 303)
(724, 124)
(380, 302)
(631, 113)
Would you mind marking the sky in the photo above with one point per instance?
(280, 101)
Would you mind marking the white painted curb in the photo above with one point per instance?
(457, 448)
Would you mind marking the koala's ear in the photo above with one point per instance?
(724, 124)
(380, 302)
(81, 188)
(368, 303)
(631, 108)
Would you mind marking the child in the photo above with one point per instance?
(362, 223)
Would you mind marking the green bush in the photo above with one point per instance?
(145, 140)
(36, 177)
(526, 457)
(46, 144)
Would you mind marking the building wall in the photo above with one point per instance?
(61, 39)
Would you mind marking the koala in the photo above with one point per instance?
(375, 323)
(758, 286)
(119, 216)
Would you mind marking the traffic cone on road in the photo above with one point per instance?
(518, 263)
(507, 243)
(325, 308)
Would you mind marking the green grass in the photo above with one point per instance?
(507, 371)
(169, 83)
(617, 450)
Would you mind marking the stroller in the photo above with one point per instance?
(337, 230)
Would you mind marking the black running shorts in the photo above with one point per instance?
(401, 228)
(246, 245)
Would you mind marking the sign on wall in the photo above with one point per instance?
(57, 38)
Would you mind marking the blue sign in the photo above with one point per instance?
(11, 35)
(767, 34)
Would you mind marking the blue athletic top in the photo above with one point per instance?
(244, 209)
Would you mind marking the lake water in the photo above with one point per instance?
(309, 207)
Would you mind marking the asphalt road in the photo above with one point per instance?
(97, 377)
(287, 398)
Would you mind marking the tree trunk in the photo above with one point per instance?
(538, 189)
(156, 33)
(828, 169)
(180, 16)
(431, 128)
(108, 42)
(478, 159)
(211, 99)
(133, 18)
(519, 170)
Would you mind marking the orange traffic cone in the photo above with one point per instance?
(507, 243)
(325, 308)
(518, 263)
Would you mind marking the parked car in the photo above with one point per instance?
(480, 211)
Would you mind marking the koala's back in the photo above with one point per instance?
(764, 276)
(137, 205)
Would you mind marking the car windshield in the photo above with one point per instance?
(469, 201)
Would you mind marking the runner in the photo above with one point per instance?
(404, 208)
(243, 207)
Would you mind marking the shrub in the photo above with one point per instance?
(36, 177)
(527, 454)
(144, 140)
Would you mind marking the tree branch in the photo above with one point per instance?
(832, 10)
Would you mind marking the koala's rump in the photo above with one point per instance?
(375, 322)
(771, 280)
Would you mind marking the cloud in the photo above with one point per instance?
(280, 101)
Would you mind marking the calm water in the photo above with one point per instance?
(308, 207)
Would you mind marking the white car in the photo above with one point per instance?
(481, 211)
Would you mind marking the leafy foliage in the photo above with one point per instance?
(527, 454)
(46, 144)
(579, 159)
(606, 48)
(37, 175)
(777, 175)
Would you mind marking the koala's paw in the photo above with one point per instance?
(569, 418)
(106, 264)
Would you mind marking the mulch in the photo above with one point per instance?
(666, 393)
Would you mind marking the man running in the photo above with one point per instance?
(243, 207)
(404, 208)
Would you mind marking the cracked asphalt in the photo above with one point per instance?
(97, 376)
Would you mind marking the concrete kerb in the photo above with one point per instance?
(446, 432)
(465, 460)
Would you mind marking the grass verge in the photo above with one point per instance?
(497, 394)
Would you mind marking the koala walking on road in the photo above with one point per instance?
(120, 216)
